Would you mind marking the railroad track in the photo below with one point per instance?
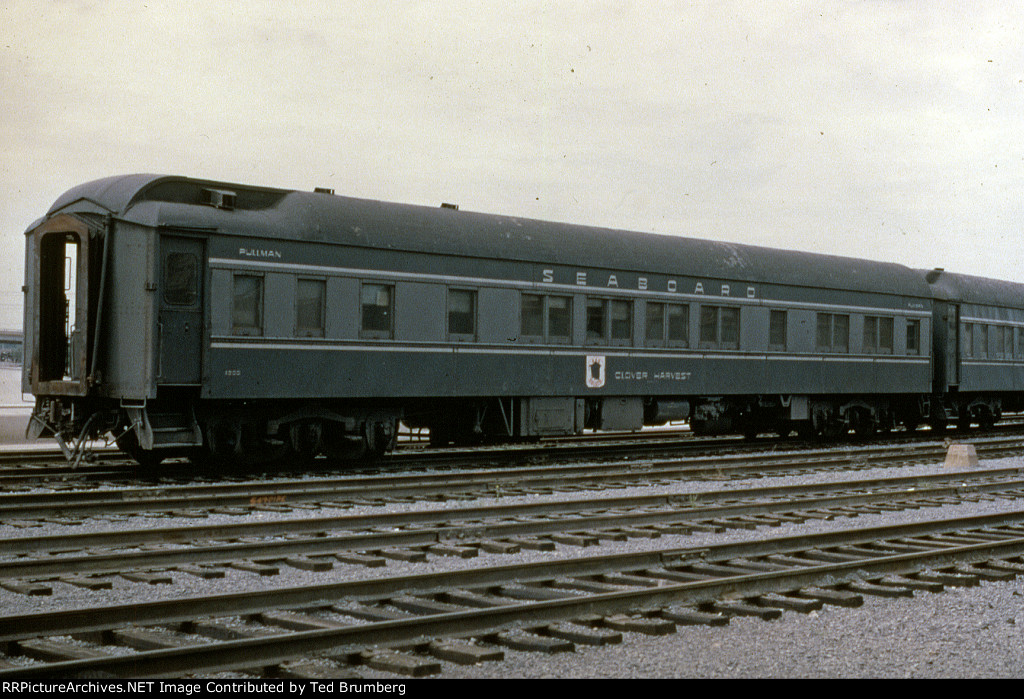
(72, 504)
(32, 564)
(31, 467)
(412, 624)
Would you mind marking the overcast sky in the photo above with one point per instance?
(884, 130)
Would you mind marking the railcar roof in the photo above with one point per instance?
(177, 202)
(964, 288)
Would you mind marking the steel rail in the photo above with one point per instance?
(405, 485)
(279, 648)
(69, 621)
(444, 530)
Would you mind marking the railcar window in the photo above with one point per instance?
(377, 301)
(777, 339)
(559, 318)
(1019, 346)
(995, 338)
(532, 316)
(719, 327)
(730, 328)
(309, 307)
(885, 335)
(967, 341)
(655, 324)
(913, 337)
(878, 334)
(622, 322)
(462, 313)
(833, 332)
(597, 321)
(667, 324)
(708, 326)
(247, 305)
(181, 279)
(981, 338)
(546, 318)
(1003, 338)
(678, 325)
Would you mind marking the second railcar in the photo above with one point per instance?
(978, 346)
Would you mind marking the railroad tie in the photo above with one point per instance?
(583, 635)
(468, 598)
(27, 588)
(54, 651)
(534, 593)
(796, 604)
(630, 580)
(294, 621)
(531, 544)
(520, 640)
(406, 555)
(504, 547)
(87, 582)
(839, 598)
(454, 551)
(201, 571)
(869, 588)
(652, 626)
(463, 652)
(718, 570)
(739, 608)
(911, 583)
(831, 556)
(253, 567)
(318, 564)
(148, 639)
(693, 617)
(676, 575)
(225, 632)
(417, 605)
(757, 565)
(581, 540)
(368, 613)
(1008, 566)
(360, 559)
(592, 586)
(149, 578)
(947, 578)
(984, 573)
(399, 663)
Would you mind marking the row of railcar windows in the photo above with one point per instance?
(983, 341)
(548, 318)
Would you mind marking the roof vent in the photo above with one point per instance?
(323, 190)
(453, 207)
(221, 198)
(930, 277)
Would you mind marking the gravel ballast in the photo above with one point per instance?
(961, 632)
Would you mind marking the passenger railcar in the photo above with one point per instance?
(238, 322)
(978, 347)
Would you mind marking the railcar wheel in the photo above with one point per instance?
(441, 435)
(129, 444)
(986, 420)
(863, 424)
